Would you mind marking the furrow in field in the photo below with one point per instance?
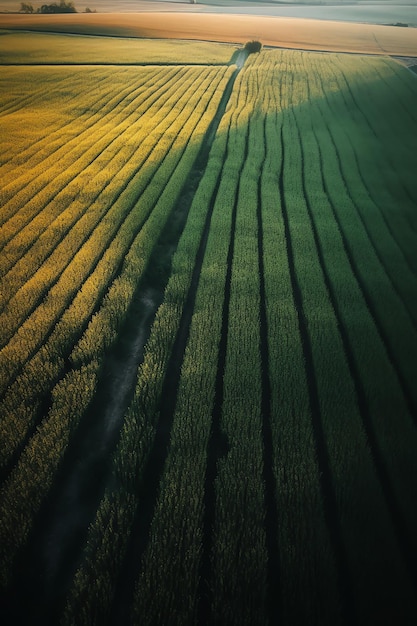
(239, 553)
(271, 517)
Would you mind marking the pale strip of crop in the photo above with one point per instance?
(161, 594)
(34, 490)
(390, 418)
(37, 128)
(384, 237)
(77, 199)
(305, 553)
(77, 314)
(366, 527)
(307, 34)
(19, 502)
(35, 188)
(139, 427)
(388, 308)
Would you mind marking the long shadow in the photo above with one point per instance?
(150, 481)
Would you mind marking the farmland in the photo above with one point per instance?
(208, 351)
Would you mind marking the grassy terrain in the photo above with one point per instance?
(249, 457)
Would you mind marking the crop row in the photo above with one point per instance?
(132, 243)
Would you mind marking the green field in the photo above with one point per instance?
(208, 358)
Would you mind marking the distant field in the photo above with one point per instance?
(47, 48)
(208, 337)
(275, 31)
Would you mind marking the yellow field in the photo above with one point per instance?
(44, 48)
(304, 34)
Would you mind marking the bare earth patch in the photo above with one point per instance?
(305, 34)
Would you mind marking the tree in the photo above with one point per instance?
(62, 7)
(26, 8)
